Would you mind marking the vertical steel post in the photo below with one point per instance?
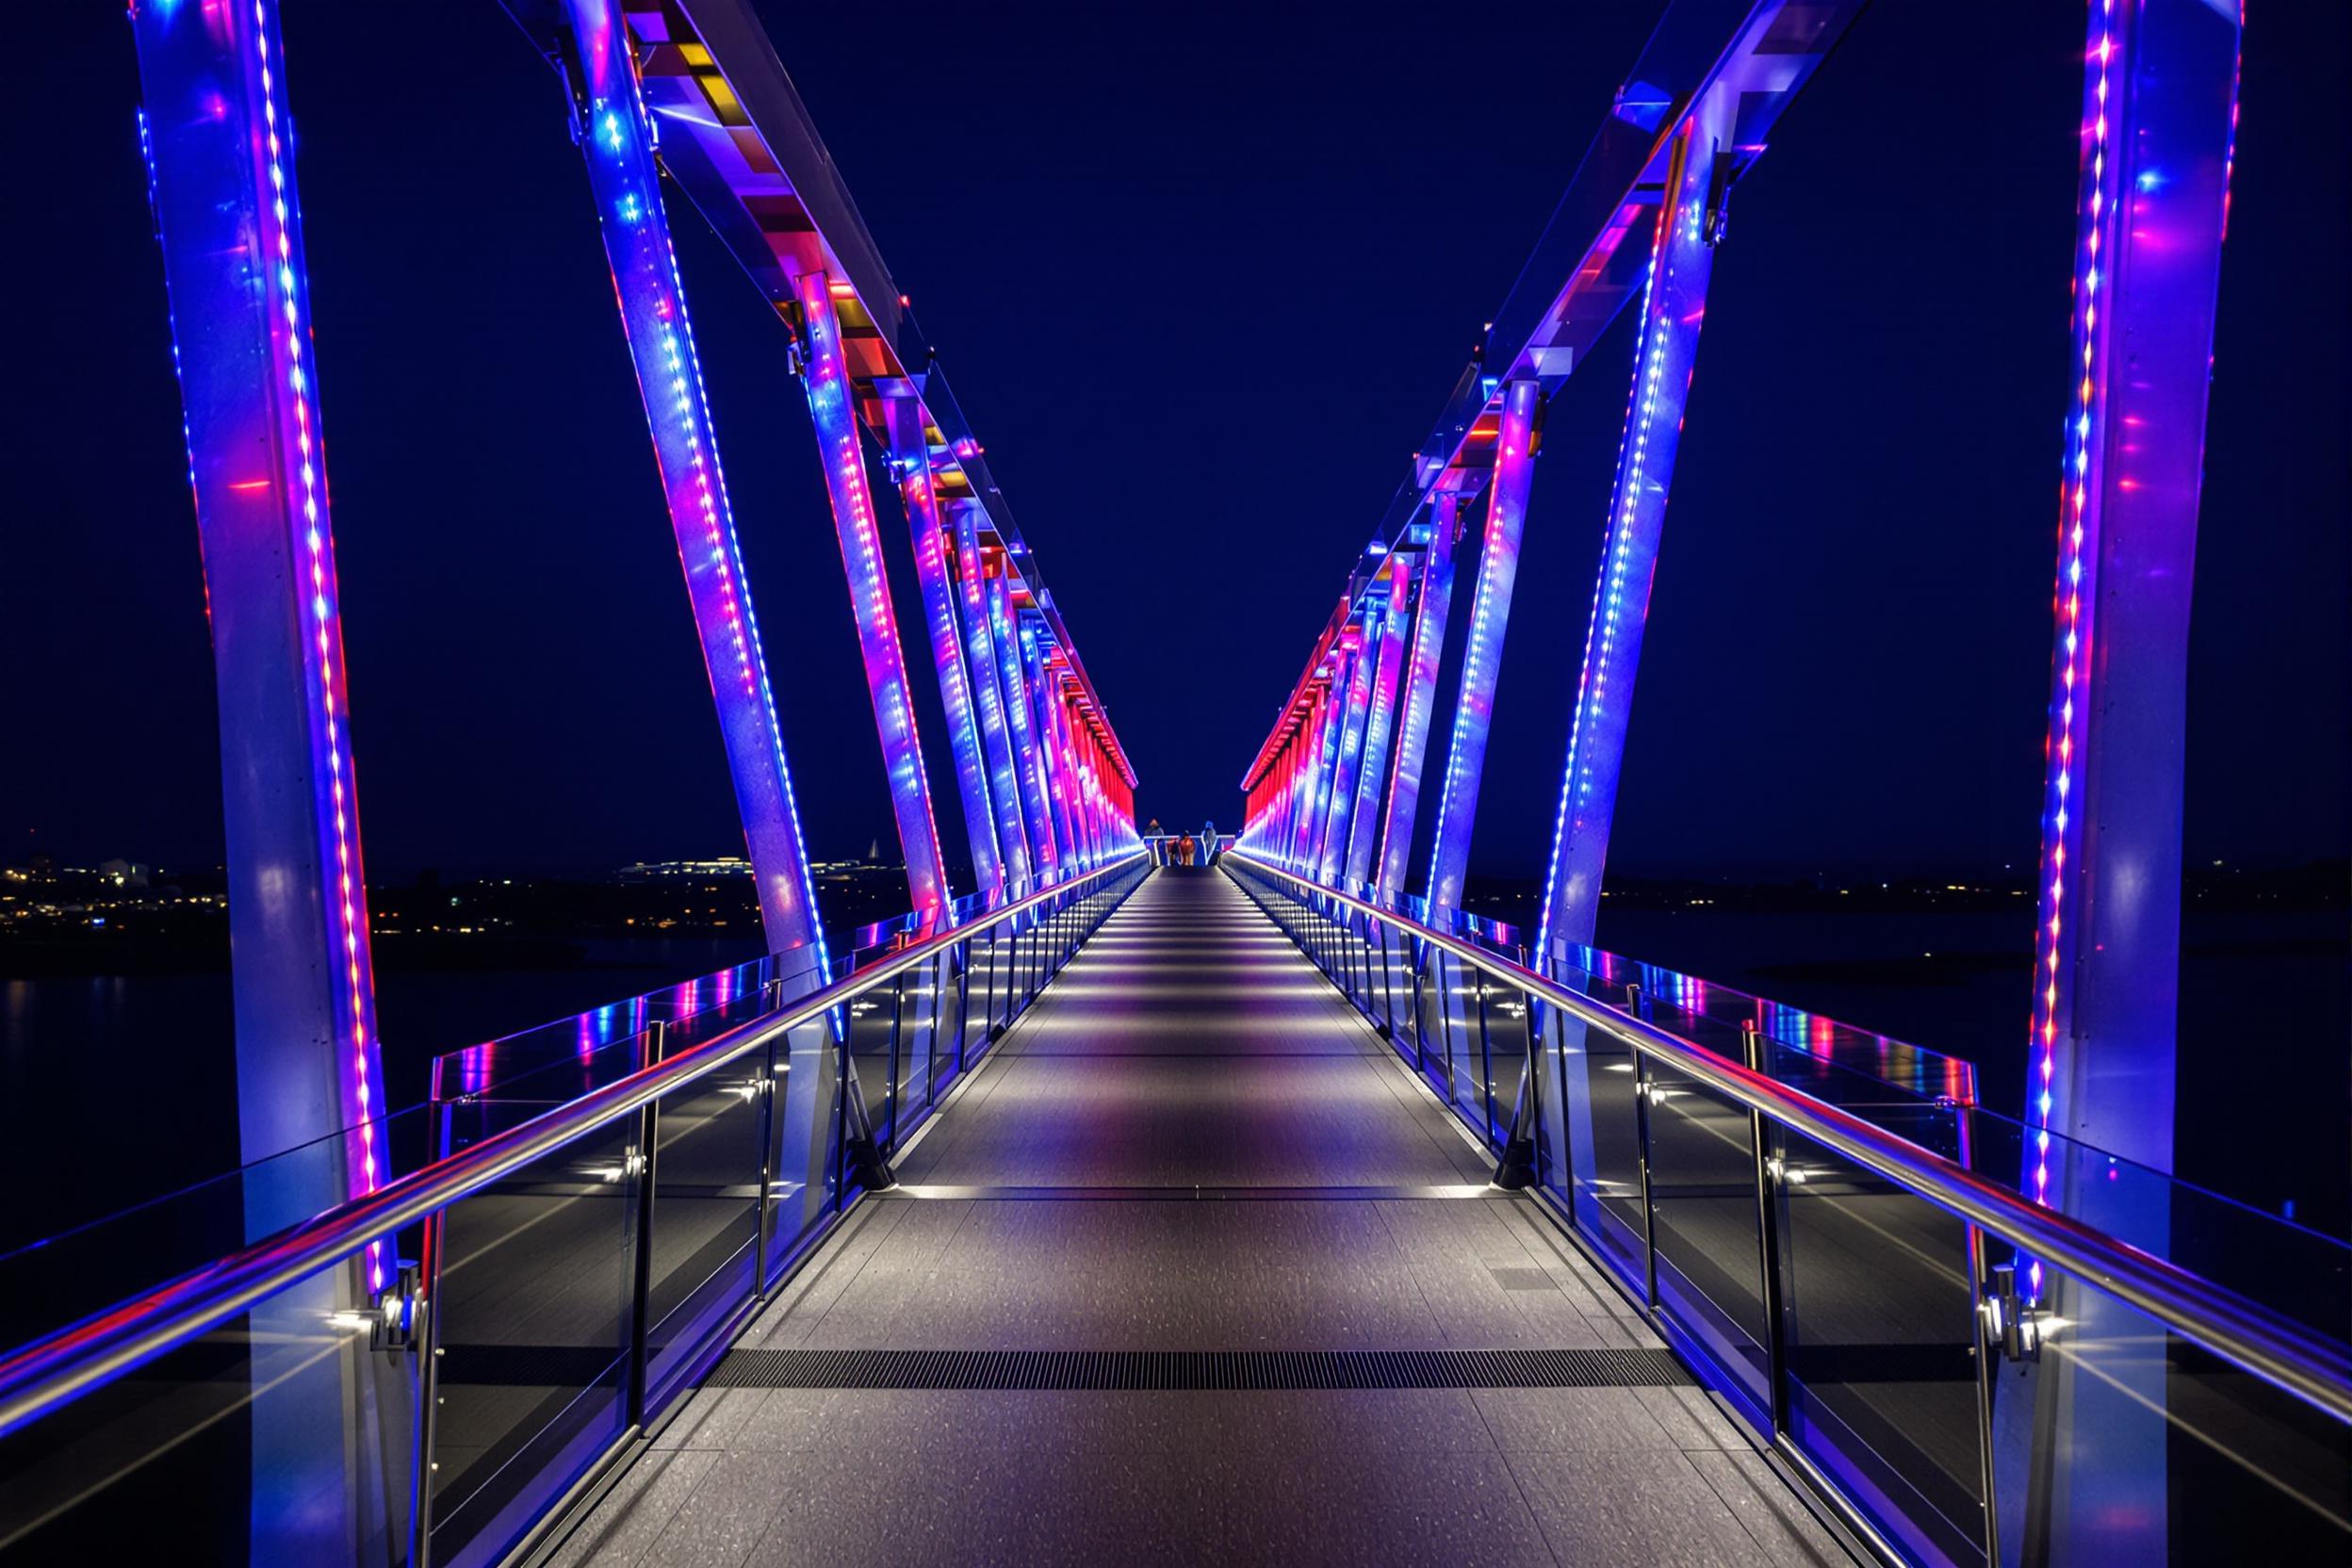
(987, 688)
(2158, 118)
(1355, 705)
(910, 453)
(1435, 595)
(831, 410)
(616, 137)
(1044, 854)
(1673, 305)
(1047, 751)
(219, 140)
(1396, 628)
(1326, 763)
(1482, 656)
(326, 1434)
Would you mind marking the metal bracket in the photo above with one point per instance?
(2010, 1322)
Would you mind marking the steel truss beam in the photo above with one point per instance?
(1682, 253)
(1433, 599)
(1394, 627)
(616, 135)
(843, 453)
(2159, 122)
(1482, 653)
(910, 453)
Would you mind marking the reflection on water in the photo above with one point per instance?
(125, 1086)
(121, 1088)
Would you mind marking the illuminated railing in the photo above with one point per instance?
(1825, 1244)
(605, 1212)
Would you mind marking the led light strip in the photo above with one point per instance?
(1600, 627)
(2062, 828)
(870, 594)
(350, 900)
(638, 208)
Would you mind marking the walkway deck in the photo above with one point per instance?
(1193, 1144)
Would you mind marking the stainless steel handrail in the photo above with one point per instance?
(54, 1372)
(2238, 1328)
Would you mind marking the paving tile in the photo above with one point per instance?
(1613, 1509)
(1693, 1420)
(638, 1509)
(726, 1512)
(710, 1419)
(1577, 1420)
(1781, 1525)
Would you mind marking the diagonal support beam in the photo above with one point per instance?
(911, 454)
(220, 169)
(1433, 599)
(1674, 306)
(988, 690)
(1354, 715)
(616, 140)
(1395, 629)
(1482, 653)
(2159, 123)
(838, 445)
(1045, 856)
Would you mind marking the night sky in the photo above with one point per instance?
(1202, 278)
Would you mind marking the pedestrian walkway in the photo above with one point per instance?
(1193, 1270)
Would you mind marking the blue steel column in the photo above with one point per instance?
(1355, 707)
(1396, 626)
(218, 133)
(1433, 599)
(218, 143)
(838, 444)
(2159, 114)
(1326, 767)
(617, 142)
(1081, 779)
(1044, 852)
(988, 695)
(1673, 305)
(1306, 788)
(1049, 761)
(910, 449)
(1482, 657)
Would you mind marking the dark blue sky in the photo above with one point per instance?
(1201, 277)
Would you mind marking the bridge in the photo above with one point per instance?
(1231, 1198)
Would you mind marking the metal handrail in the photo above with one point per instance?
(2236, 1327)
(54, 1372)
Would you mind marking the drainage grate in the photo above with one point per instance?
(1197, 1369)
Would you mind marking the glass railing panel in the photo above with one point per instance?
(157, 1466)
(2162, 1452)
(1504, 1012)
(873, 1023)
(805, 1125)
(1879, 1338)
(706, 1208)
(1703, 1216)
(1466, 1084)
(531, 1319)
(1436, 1051)
(2300, 1272)
(51, 1284)
(917, 992)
